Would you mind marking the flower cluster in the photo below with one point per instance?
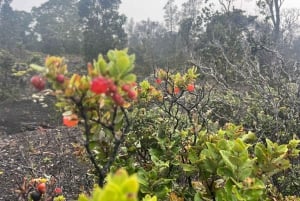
(176, 83)
(103, 85)
(41, 189)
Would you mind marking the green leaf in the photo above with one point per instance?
(149, 198)
(61, 104)
(110, 192)
(281, 163)
(129, 78)
(236, 193)
(82, 197)
(282, 149)
(130, 185)
(197, 197)
(119, 124)
(193, 156)
(123, 63)
(249, 137)
(101, 65)
(258, 185)
(225, 156)
(239, 146)
(224, 144)
(158, 162)
(270, 145)
(188, 168)
(293, 143)
(260, 152)
(20, 73)
(210, 165)
(37, 68)
(225, 171)
(118, 178)
(142, 178)
(211, 150)
(245, 172)
(114, 71)
(145, 85)
(111, 55)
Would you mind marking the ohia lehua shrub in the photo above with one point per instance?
(160, 130)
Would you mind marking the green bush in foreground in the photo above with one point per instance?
(119, 187)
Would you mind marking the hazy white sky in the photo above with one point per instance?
(153, 9)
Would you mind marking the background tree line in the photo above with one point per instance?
(86, 28)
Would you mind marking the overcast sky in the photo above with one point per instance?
(153, 9)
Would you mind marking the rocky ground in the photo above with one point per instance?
(33, 144)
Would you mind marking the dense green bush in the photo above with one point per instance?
(119, 187)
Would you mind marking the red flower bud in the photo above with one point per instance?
(60, 78)
(38, 82)
(158, 81)
(176, 90)
(132, 94)
(118, 99)
(58, 191)
(126, 87)
(113, 88)
(99, 85)
(190, 87)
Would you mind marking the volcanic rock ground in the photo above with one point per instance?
(33, 144)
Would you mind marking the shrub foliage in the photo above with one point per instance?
(162, 130)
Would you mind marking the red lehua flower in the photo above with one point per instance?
(176, 90)
(126, 87)
(58, 191)
(60, 78)
(100, 85)
(132, 94)
(38, 82)
(158, 81)
(113, 88)
(190, 87)
(118, 99)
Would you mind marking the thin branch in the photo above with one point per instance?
(87, 132)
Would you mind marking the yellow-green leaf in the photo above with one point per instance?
(37, 68)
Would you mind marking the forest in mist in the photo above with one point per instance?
(190, 32)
